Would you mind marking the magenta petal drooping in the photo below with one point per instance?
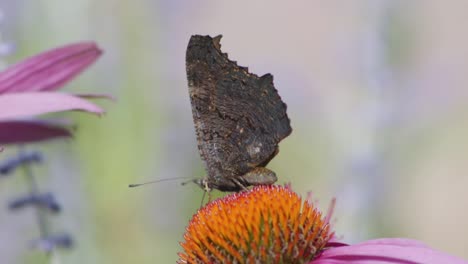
(50, 70)
(386, 251)
(27, 131)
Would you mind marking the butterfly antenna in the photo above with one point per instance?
(187, 182)
(160, 180)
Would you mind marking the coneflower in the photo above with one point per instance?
(273, 224)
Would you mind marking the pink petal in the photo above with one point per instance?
(15, 132)
(15, 105)
(49, 70)
(395, 241)
(386, 251)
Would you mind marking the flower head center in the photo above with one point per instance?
(268, 224)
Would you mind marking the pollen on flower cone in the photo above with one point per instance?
(268, 224)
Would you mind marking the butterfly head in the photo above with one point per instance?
(203, 183)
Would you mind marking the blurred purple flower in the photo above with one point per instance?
(28, 89)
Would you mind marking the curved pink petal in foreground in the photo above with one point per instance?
(17, 105)
(18, 132)
(49, 70)
(386, 251)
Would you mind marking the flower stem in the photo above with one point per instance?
(34, 191)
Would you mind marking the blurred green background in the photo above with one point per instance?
(376, 92)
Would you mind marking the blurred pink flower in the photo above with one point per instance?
(28, 88)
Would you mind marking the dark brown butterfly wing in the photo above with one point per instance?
(239, 117)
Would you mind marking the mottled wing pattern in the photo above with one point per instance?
(239, 117)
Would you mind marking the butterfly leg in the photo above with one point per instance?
(242, 186)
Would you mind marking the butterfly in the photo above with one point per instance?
(239, 118)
